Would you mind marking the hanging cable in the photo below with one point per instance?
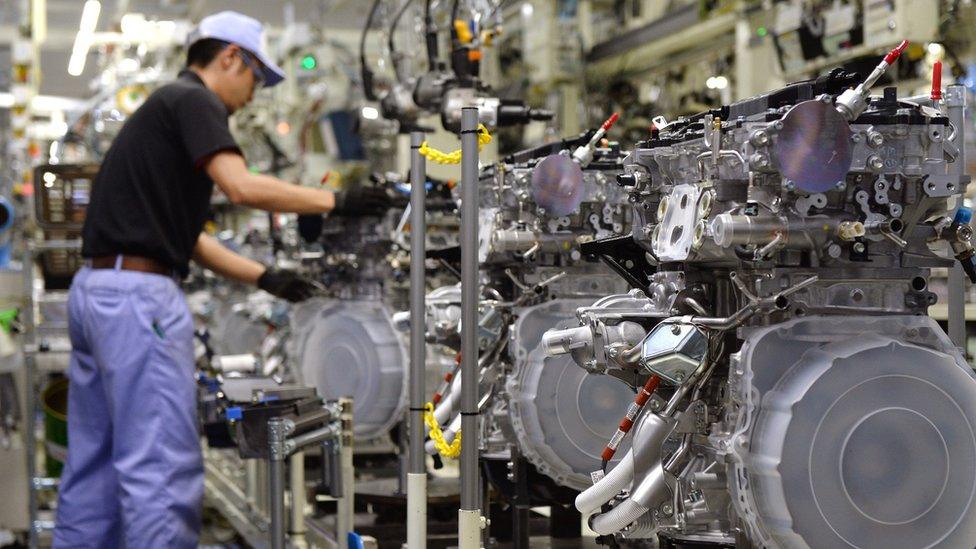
(391, 42)
(365, 71)
(430, 35)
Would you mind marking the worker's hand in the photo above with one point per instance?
(362, 201)
(288, 284)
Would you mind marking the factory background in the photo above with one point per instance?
(636, 203)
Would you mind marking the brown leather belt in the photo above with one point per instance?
(132, 263)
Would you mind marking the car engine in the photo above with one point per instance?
(783, 331)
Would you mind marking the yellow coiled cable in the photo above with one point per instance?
(454, 157)
(452, 450)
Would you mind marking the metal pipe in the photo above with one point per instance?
(311, 418)
(469, 514)
(311, 437)
(251, 484)
(346, 506)
(296, 527)
(276, 480)
(416, 467)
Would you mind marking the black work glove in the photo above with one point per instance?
(287, 284)
(362, 201)
(310, 227)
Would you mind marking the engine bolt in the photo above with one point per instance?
(667, 510)
(858, 247)
(875, 162)
(760, 138)
(875, 139)
(840, 185)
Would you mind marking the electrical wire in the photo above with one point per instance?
(391, 42)
(365, 71)
(430, 35)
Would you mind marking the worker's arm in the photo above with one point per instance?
(230, 173)
(282, 283)
(215, 256)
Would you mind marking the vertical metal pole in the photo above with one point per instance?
(296, 473)
(276, 480)
(417, 469)
(346, 505)
(30, 375)
(469, 515)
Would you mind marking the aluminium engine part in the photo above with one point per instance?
(673, 351)
(350, 348)
(541, 208)
(561, 415)
(862, 437)
(609, 326)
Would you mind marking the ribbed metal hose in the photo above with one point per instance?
(603, 491)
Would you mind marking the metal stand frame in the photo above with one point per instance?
(32, 348)
(281, 447)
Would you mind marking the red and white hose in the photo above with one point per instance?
(628, 421)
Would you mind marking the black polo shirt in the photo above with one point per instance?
(151, 196)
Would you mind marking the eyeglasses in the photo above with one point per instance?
(255, 67)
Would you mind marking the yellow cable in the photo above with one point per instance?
(452, 450)
(454, 157)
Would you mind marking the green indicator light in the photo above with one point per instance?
(309, 62)
(761, 31)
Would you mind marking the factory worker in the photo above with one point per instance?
(134, 473)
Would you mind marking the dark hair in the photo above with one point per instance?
(202, 52)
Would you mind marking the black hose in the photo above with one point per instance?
(431, 37)
(367, 73)
(745, 254)
(391, 43)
